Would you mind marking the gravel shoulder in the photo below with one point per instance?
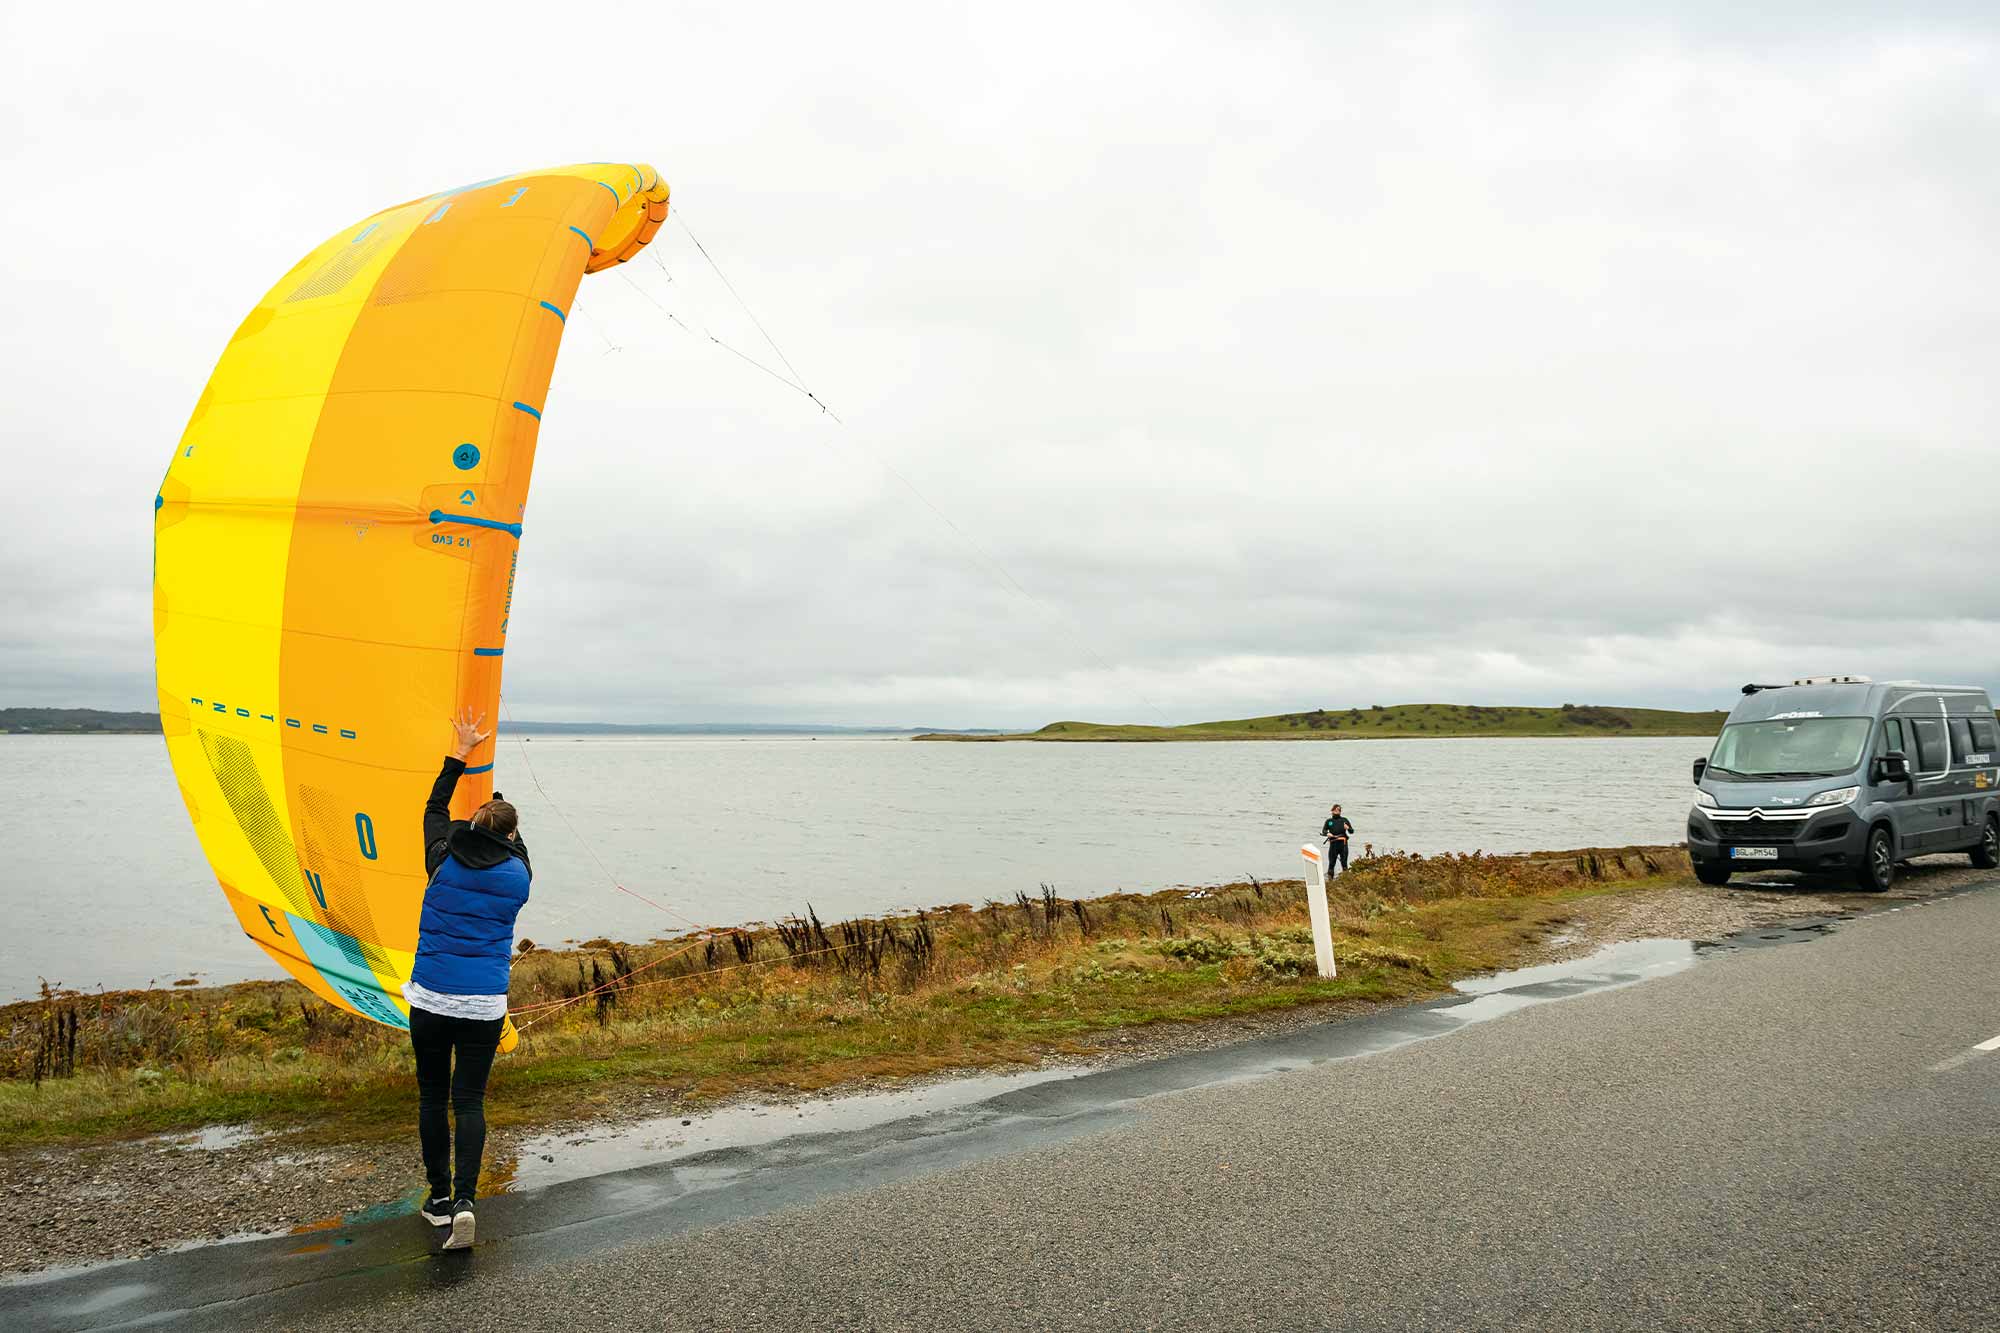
(67, 1207)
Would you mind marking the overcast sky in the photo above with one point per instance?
(1480, 353)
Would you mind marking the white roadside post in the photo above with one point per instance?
(1316, 902)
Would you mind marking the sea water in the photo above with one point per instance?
(103, 883)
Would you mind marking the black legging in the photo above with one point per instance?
(1336, 850)
(433, 1037)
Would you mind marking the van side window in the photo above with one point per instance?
(1929, 733)
(1961, 739)
(1892, 736)
(1982, 735)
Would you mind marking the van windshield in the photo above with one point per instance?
(1803, 747)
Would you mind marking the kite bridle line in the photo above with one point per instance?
(797, 384)
(596, 328)
(744, 356)
(797, 378)
(563, 815)
(548, 1007)
(705, 934)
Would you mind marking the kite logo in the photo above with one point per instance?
(466, 497)
(371, 1005)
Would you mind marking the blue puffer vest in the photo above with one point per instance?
(465, 938)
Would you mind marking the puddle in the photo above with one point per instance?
(549, 1159)
(108, 1298)
(212, 1138)
(1615, 964)
(1611, 968)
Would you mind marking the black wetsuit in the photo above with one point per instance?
(1336, 831)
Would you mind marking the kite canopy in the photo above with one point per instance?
(335, 546)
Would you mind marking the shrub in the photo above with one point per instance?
(1273, 964)
(1378, 955)
(1198, 948)
(1593, 716)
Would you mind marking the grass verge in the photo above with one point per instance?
(799, 1006)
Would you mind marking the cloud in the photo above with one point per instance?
(1281, 356)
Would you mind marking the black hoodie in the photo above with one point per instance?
(476, 847)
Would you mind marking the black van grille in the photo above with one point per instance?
(1759, 830)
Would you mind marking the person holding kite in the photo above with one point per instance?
(479, 876)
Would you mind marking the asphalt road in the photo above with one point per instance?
(1788, 1137)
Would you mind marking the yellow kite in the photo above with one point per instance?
(335, 545)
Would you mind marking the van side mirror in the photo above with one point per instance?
(1700, 767)
(1892, 767)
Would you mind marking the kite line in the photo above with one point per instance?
(798, 384)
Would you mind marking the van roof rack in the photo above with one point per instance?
(1812, 680)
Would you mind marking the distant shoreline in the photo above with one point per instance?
(76, 722)
(96, 722)
(1398, 722)
(1256, 736)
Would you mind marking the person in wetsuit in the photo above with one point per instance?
(457, 991)
(1336, 830)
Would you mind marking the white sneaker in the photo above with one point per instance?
(462, 1223)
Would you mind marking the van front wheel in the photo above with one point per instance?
(1878, 868)
(1715, 873)
(1987, 854)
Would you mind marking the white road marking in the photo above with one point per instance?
(1942, 1066)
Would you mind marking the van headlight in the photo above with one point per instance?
(1702, 798)
(1838, 796)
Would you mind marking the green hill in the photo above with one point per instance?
(1377, 723)
(76, 721)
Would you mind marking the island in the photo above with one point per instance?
(1376, 722)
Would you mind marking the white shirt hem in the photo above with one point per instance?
(483, 1007)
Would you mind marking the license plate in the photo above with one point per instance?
(1753, 853)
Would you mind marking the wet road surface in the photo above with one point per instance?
(1803, 1135)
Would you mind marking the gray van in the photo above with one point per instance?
(1845, 774)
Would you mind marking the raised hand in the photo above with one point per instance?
(469, 735)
